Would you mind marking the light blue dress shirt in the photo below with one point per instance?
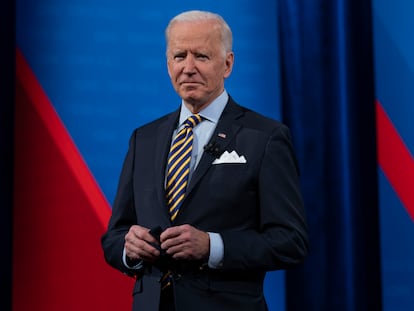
(203, 131)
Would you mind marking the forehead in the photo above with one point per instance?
(194, 34)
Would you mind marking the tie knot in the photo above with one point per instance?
(193, 120)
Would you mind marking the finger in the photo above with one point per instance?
(138, 233)
(142, 233)
(143, 251)
(137, 244)
(179, 246)
(182, 252)
(172, 243)
(171, 233)
(193, 244)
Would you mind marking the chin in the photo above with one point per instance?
(190, 97)
(192, 100)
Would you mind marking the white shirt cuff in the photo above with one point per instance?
(215, 259)
(136, 267)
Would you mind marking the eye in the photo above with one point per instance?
(202, 57)
(179, 56)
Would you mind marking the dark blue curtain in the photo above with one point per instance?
(328, 102)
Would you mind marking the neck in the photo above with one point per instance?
(196, 106)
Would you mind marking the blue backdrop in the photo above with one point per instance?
(394, 63)
(102, 64)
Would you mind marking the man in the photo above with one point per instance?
(200, 234)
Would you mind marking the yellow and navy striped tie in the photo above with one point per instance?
(178, 166)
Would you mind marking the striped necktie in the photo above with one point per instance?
(178, 166)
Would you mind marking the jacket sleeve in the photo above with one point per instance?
(123, 215)
(280, 240)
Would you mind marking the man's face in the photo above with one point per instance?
(197, 63)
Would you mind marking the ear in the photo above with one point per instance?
(168, 67)
(229, 64)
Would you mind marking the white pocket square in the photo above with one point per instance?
(231, 157)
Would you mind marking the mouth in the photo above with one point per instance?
(190, 83)
(190, 86)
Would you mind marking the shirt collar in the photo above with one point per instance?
(212, 112)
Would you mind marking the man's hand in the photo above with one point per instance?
(137, 244)
(186, 242)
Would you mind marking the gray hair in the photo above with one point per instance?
(193, 16)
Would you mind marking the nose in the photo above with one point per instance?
(189, 65)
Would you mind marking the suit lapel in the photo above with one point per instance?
(227, 127)
(162, 149)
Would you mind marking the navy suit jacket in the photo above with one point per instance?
(255, 206)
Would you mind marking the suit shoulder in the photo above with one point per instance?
(255, 120)
(154, 124)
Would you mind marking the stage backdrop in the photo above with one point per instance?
(89, 72)
(394, 64)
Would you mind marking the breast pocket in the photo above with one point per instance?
(231, 184)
